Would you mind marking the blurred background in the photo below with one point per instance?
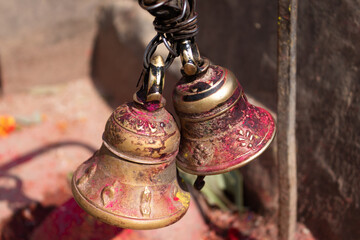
(65, 65)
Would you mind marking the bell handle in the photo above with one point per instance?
(153, 85)
(193, 63)
(156, 78)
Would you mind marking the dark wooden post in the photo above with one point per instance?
(287, 24)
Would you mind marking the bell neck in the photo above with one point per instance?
(151, 106)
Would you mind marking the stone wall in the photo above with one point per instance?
(328, 118)
(44, 42)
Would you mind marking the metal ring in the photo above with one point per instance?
(169, 60)
(181, 25)
(167, 45)
(151, 48)
(151, 7)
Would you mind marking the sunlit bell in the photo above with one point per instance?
(220, 129)
(132, 181)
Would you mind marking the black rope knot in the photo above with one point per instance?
(174, 19)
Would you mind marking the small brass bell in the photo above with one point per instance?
(220, 129)
(132, 181)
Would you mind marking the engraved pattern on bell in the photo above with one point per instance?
(145, 202)
(107, 195)
(136, 134)
(202, 153)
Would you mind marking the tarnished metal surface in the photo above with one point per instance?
(131, 182)
(128, 194)
(221, 130)
(142, 136)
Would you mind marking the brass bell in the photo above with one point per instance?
(220, 129)
(132, 181)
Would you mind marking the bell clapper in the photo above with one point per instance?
(199, 183)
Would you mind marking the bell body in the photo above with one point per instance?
(131, 182)
(220, 129)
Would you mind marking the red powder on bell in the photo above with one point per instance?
(152, 106)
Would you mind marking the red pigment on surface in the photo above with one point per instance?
(176, 199)
(171, 206)
(114, 205)
(110, 205)
(152, 106)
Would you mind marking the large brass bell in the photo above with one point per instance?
(220, 129)
(132, 181)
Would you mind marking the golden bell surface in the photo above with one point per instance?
(132, 182)
(220, 129)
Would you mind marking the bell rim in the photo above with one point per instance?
(122, 221)
(224, 168)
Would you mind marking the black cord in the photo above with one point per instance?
(176, 19)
